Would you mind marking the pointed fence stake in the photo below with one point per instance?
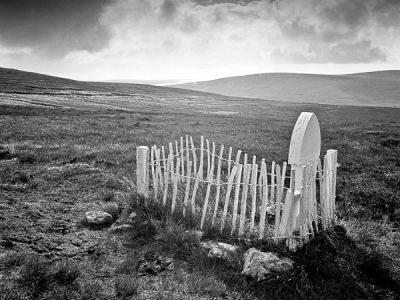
(142, 170)
(218, 185)
(228, 194)
(236, 201)
(205, 206)
(243, 208)
(185, 201)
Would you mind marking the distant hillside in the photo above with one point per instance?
(27, 88)
(365, 89)
(393, 75)
(22, 82)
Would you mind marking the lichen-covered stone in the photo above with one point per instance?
(98, 217)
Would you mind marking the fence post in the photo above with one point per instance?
(142, 170)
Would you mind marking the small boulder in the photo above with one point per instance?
(98, 217)
(259, 264)
(220, 250)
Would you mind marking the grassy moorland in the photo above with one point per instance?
(78, 153)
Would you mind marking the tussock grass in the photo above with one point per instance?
(126, 286)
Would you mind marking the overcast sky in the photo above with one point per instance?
(198, 39)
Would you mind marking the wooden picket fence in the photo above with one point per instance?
(265, 196)
(239, 195)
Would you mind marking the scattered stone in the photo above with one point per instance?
(153, 263)
(220, 250)
(98, 217)
(259, 264)
(120, 228)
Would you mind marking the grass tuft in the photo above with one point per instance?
(126, 286)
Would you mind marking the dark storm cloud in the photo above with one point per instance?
(53, 27)
(337, 31)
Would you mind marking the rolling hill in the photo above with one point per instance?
(27, 88)
(364, 89)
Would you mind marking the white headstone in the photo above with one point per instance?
(305, 144)
(305, 147)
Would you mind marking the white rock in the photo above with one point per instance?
(259, 264)
(220, 250)
(98, 217)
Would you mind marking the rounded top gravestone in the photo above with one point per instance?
(305, 144)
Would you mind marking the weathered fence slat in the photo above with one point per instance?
(166, 178)
(187, 154)
(218, 182)
(260, 178)
(208, 157)
(154, 171)
(200, 171)
(273, 179)
(236, 200)
(238, 157)
(321, 193)
(158, 169)
(327, 192)
(193, 200)
(142, 170)
(264, 197)
(164, 163)
(213, 156)
(171, 151)
(194, 157)
(278, 201)
(253, 194)
(182, 159)
(176, 178)
(246, 178)
(228, 195)
(314, 197)
(229, 161)
(289, 224)
(187, 189)
(205, 206)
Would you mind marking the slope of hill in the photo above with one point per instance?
(393, 75)
(365, 89)
(22, 82)
(21, 88)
